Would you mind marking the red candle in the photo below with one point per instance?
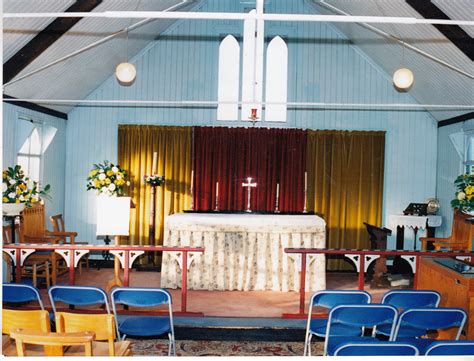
(254, 112)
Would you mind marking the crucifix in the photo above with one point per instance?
(249, 185)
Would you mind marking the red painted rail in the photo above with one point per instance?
(126, 253)
(362, 259)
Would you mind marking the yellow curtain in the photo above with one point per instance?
(136, 145)
(345, 185)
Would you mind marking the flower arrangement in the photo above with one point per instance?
(20, 189)
(107, 178)
(154, 180)
(464, 200)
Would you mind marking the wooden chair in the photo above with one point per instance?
(103, 325)
(53, 343)
(59, 230)
(461, 236)
(36, 320)
(33, 230)
(34, 267)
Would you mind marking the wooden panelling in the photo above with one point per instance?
(323, 66)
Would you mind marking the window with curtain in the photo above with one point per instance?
(29, 155)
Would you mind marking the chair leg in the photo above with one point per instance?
(48, 275)
(35, 275)
(309, 345)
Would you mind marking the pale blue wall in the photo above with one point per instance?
(323, 67)
(53, 159)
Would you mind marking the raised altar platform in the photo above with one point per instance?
(244, 251)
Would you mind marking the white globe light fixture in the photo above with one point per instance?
(403, 78)
(125, 73)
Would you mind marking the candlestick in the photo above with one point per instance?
(192, 189)
(155, 159)
(305, 191)
(277, 210)
(217, 197)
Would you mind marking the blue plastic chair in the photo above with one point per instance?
(131, 325)
(408, 299)
(357, 318)
(451, 348)
(328, 299)
(19, 293)
(78, 296)
(381, 348)
(428, 319)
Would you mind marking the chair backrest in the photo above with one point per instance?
(140, 297)
(33, 221)
(359, 317)
(57, 221)
(406, 299)
(331, 298)
(36, 320)
(53, 343)
(18, 293)
(78, 296)
(462, 231)
(103, 325)
(381, 348)
(453, 348)
(431, 319)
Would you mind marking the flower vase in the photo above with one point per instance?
(12, 209)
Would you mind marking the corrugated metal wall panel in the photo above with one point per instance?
(53, 159)
(323, 66)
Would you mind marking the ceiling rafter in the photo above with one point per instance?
(44, 39)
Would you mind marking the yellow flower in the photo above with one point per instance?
(5, 200)
(469, 190)
(110, 173)
(17, 200)
(96, 183)
(93, 172)
(107, 181)
(34, 199)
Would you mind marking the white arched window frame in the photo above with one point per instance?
(29, 157)
(276, 79)
(228, 79)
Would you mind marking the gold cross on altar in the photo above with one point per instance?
(249, 186)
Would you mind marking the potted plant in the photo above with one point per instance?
(464, 200)
(20, 191)
(107, 179)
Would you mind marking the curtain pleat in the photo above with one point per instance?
(345, 185)
(136, 145)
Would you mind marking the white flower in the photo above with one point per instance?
(4, 188)
(102, 176)
(461, 196)
(104, 189)
(11, 195)
(114, 169)
(30, 184)
(119, 177)
(111, 186)
(12, 181)
(101, 171)
(21, 198)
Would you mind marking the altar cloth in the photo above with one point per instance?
(244, 252)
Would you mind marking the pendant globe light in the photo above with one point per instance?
(126, 72)
(403, 77)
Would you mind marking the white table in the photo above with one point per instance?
(414, 222)
(244, 251)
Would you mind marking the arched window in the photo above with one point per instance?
(29, 155)
(228, 79)
(276, 88)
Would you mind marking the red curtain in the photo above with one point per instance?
(230, 155)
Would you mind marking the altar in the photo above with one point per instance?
(244, 252)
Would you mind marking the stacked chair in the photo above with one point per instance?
(83, 321)
(404, 324)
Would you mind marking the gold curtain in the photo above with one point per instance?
(136, 145)
(345, 185)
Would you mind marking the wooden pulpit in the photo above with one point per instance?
(378, 240)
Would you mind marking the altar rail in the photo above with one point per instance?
(72, 253)
(362, 258)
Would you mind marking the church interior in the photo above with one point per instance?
(238, 178)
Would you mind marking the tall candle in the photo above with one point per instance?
(278, 191)
(192, 180)
(305, 181)
(217, 190)
(155, 159)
